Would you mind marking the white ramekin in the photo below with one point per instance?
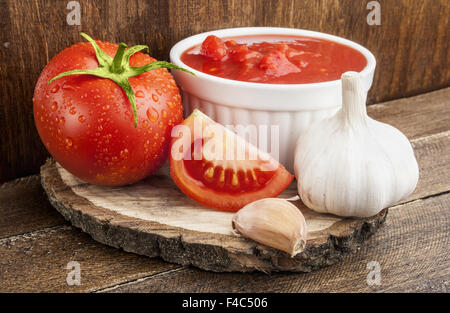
(293, 107)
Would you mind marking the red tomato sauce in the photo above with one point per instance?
(274, 59)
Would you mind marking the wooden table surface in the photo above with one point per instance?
(412, 248)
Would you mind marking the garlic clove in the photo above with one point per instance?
(274, 222)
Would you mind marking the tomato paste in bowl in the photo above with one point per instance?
(274, 59)
(255, 76)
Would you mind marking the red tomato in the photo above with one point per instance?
(214, 48)
(225, 184)
(87, 123)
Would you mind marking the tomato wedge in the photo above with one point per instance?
(217, 168)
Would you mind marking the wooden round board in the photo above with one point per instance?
(154, 218)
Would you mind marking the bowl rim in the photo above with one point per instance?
(181, 46)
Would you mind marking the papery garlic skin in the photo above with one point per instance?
(352, 165)
(274, 222)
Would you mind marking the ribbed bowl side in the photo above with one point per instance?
(284, 125)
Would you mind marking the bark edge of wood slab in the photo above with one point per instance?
(206, 250)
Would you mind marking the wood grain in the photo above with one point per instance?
(416, 117)
(411, 46)
(24, 207)
(37, 262)
(433, 156)
(411, 249)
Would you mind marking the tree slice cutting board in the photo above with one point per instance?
(154, 218)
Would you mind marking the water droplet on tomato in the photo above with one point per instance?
(155, 97)
(81, 118)
(54, 89)
(68, 142)
(123, 153)
(164, 113)
(67, 86)
(72, 110)
(54, 106)
(106, 107)
(140, 94)
(62, 120)
(152, 114)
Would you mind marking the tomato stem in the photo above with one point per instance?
(117, 66)
(118, 69)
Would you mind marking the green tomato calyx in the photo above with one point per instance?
(118, 69)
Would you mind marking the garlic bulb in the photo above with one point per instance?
(274, 222)
(352, 165)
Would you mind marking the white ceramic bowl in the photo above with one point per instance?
(293, 107)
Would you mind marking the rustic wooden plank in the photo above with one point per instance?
(433, 156)
(411, 46)
(37, 262)
(417, 116)
(24, 207)
(411, 249)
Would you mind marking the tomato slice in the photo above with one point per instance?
(220, 169)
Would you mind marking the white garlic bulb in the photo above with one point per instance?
(352, 165)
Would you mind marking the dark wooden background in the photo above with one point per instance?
(411, 46)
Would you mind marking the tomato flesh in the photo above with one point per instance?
(274, 59)
(226, 184)
(225, 179)
(214, 48)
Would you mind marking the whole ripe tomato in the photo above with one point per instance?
(87, 123)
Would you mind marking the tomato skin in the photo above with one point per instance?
(223, 201)
(220, 198)
(86, 122)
